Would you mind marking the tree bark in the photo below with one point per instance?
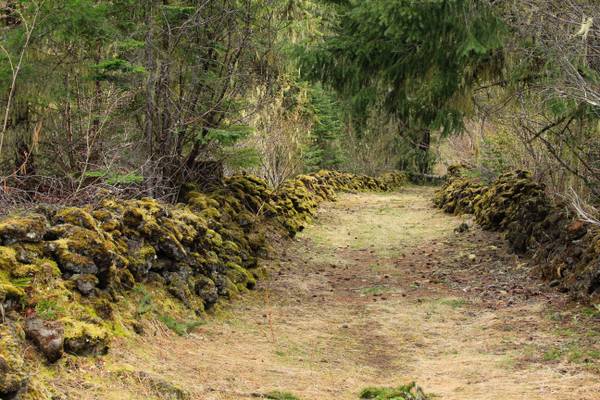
(150, 66)
(423, 156)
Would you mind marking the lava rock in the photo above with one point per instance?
(48, 336)
(462, 228)
(86, 283)
(207, 291)
(27, 228)
(84, 339)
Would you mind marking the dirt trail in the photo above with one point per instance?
(379, 291)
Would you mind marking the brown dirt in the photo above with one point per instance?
(379, 291)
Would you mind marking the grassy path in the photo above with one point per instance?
(379, 291)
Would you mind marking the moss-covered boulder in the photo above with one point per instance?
(80, 250)
(48, 336)
(22, 228)
(8, 265)
(13, 375)
(459, 195)
(75, 216)
(206, 289)
(84, 338)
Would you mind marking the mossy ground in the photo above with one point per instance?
(458, 325)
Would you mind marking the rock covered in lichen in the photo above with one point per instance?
(459, 195)
(22, 228)
(84, 338)
(512, 197)
(13, 376)
(48, 336)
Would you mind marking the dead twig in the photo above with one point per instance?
(584, 211)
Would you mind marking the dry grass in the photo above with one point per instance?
(352, 304)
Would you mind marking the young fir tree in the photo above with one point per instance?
(324, 151)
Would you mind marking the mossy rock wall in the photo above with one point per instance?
(566, 250)
(72, 265)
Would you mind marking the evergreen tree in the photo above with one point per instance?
(421, 58)
(324, 151)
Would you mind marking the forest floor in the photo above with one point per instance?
(382, 291)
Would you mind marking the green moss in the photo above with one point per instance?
(49, 266)
(10, 287)
(197, 200)
(70, 260)
(230, 246)
(230, 288)
(26, 270)
(211, 213)
(278, 395)
(82, 251)
(12, 366)
(213, 238)
(10, 291)
(84, 338)
(102, 214)
(8, 258)
(140, 260)
(41, 268)
(119, 328)
(135, 218)
(240, 276)
(22, 228)
(75, 216)
(150, 205)
(212, 258)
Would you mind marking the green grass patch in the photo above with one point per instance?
(592, 312)
(552, 355)
(277, 395)
(407, 392)
(49, 309)
(21, 283)
(182, 328)
(573, 352)
(374, 290)
(145, 304)
(454, 303)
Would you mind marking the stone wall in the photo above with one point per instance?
(62, 271)
(566, 251)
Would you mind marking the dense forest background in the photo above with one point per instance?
(139, 97)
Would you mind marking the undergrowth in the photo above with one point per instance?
(280, 396)
(407, 392)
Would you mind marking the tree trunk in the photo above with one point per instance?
(423, 156)
(149, 171)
